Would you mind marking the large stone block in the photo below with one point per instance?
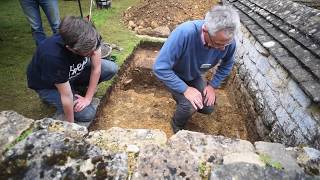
(155, 162)
(242, 71)
(268, 117)
(259, 102)
(253, 53)
(309, 159)
(241, 51)
(47, 155)
(206, 146)
(260, 80)
(271, 99)
(274, 82)
(296, 139)
(72, 130)
(263, 65)
(288, 102)
(277, 153)
(12, 125)
(252, 89)
(277, 134)
(245, 171)
(247, 157)
(118, 139)
(251, 67)
(306, 123)
(284, 120)
(298, 94)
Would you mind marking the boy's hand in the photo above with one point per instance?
(80, 103)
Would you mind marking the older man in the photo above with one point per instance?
(191, 49)
(67, 61)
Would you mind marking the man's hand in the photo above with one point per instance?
(194, 96)
(210, 95)
(81, 103)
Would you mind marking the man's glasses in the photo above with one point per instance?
(215, 44)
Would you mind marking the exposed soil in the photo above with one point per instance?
(155, 13)
(139, 100)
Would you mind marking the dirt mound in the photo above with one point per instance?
(152, 14)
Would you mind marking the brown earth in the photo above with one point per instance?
(139, 100)
(150, 14)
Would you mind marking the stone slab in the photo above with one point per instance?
(12, 125)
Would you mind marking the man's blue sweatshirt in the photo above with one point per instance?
(183, 54)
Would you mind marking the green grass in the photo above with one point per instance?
(269, 162)
(17, 47)
(22, 136)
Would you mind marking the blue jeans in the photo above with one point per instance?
(184, 108)
(31, 9)
(52, 96)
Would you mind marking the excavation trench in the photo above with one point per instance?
(138, 100)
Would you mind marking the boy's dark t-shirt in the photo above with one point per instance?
(52, 64)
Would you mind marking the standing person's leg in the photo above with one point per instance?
(51, 9)
(32, 12)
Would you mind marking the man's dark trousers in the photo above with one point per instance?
(184, 108)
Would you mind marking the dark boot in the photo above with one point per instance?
(175, 128)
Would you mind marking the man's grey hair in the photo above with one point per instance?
(78, 34)
(222, 18)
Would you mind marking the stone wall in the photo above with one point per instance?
(310, 3)
(285, 113)
(51, 149)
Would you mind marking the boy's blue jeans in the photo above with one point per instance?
(52, 96)
(31, 9)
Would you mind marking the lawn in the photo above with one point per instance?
(17, 47)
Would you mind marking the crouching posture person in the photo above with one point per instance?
(192, 49)
(66, 62)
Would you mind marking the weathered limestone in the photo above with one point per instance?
(71, 130)
(206, 147)
(249, 157)
(11, 127)
(62, 150)
(244, 171)
(309, 159)
(119, 139)
(155, 162)
(277, 153)
(47, 155)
